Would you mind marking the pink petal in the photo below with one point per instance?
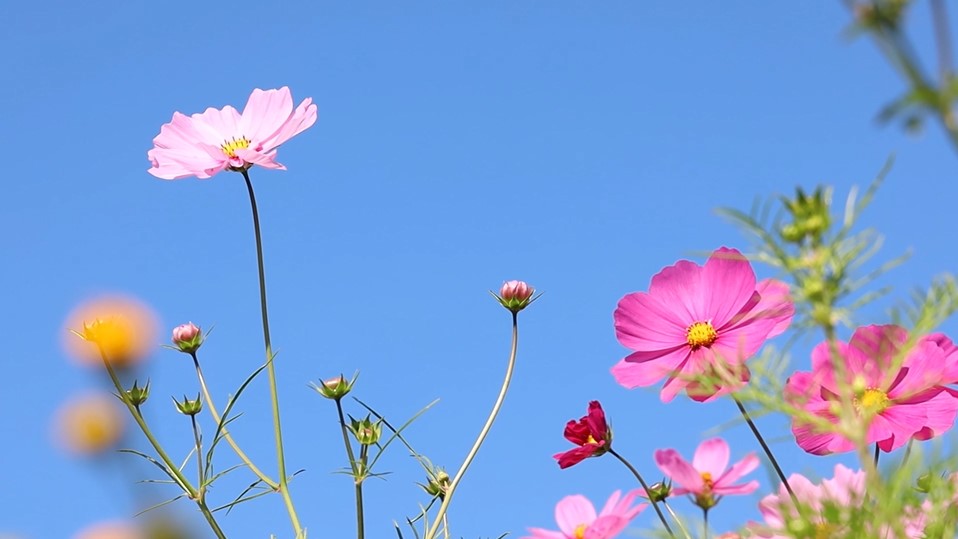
(711, 456)
(728, 283)
(572, 511)
(745, 488)
(680, 471)
(776, 303)
(643, 322)
(606, 527)
(940, 412)
(680, 287)
(303, 118)
(737, 471)
(894, 426)
(642, 369)
(265, 113)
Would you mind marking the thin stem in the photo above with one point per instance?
(768, 451)
(939, 18)
(226, 434)
(877, 453)
(705, 523)
(354, 466)
(676, 518)
(648, 491)
(181, 479)
(440, 516)
(283, 486)
(199, 456)
(907, 455)
(360, 520)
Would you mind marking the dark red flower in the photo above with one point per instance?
(591, 433)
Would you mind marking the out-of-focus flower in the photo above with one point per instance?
(204, 144)
(896, 404)
(577, 519)
(111, 530)
(707, 478)
(591, 433)
(515, 295)
(120, 329)
(187, 338)
(335, 388)
(89, 424)
(825, 509)
(699, 321)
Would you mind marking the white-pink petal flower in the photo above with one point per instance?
(206, 143)
(708, 477)
(577, 519)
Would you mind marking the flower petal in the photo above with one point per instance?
(711, 456)
(680, 471)
(573, 511)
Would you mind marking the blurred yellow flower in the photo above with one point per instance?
(123, 330)
(89, 424)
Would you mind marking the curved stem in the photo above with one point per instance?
(226, 434)
(440, 516)
(768, 451)
(648, 491)
(283, 486)
(354, 466)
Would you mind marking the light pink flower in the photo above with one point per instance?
(576, 518)
(223, 139)
(696, 321)
(828, 506)
(187, 337)
(898, 404)
(707, 478)
(515, 295)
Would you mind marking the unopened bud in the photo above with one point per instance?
(189, 407)
(515, 295)
(187, 338)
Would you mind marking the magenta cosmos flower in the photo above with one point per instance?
(707, 478)
(576, 518)
(699, 321)
(591, 434)
(222, 139)
(899, 403)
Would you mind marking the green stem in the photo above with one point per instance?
(676, 518)
(181, 479)
(440, 516)
(648, 491)
(199, 457)
(283, 486)
(226, 434)
(354, 466)
(768, 451)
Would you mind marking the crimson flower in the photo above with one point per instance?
(591, 433)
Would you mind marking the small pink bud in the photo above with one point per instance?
(187, 337)
(335, 388)
(515, 295)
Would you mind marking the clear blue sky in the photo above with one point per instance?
(580, 146)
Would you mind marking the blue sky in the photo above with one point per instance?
(578, 146)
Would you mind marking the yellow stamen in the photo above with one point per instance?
(590, 440)
(701, 334)
(871, 401)
(580, 531)
(229, 147)
(707, 477)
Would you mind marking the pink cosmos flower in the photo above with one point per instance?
(707, 478)
(829, 506)
(591, 433)
(576, 518)
(696, 321)
(898, 404)
(203, 144)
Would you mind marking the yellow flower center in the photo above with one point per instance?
(707, 477)
(701, 334)
(591, 440)
(872, 401)
(580, 531)
(229, 147)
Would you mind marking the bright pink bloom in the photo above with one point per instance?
(203, 144)
(898, 404)
(591, 433)
(707, 478)
(696, 321)
(576, 518)
(826, 505)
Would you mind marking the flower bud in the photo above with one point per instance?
(367, 432)
(189, 407)
(659, 491)
(438, 484)
(138, 395)
(335, 388)
(515, 295)
(187, 338)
